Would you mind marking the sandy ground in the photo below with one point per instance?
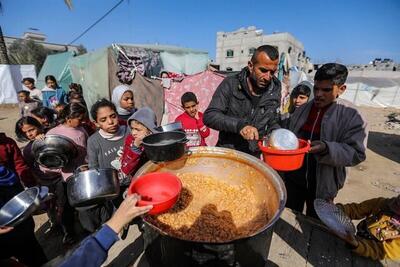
(378, 176)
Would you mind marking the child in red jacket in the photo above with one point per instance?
(192, 121)
(142, 123)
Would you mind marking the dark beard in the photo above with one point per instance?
(257, 90)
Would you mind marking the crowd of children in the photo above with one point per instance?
(112, 138)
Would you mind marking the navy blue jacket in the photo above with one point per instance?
(93, 250)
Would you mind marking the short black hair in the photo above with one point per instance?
(101, 104)
(301, 89)
(23, 121)
(187, 97)
(28, 79)
(337, 73)
(26, 93)
(270, 50)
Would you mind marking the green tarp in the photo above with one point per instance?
(56, 65)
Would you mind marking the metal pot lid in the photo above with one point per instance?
(283, 139)
(333, 217)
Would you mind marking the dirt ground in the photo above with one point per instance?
(378, 176)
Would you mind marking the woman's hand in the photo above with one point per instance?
(126, 212)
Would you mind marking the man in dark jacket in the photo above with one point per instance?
(244, 107)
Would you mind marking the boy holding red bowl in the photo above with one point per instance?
(338, 137)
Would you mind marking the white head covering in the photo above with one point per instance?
(116, 98)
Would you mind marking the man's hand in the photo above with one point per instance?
(126, 212)
(249, 133)
(197, 116)
(317, 147)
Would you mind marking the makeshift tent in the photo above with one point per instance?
(56, 65)
(373, 88)
(10, 81)
(203, 85)
(135, 64)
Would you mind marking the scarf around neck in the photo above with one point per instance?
(113, 137)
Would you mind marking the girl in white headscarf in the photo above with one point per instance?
(122, 97)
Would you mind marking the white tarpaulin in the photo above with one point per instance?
(10, 81)
(373, 88)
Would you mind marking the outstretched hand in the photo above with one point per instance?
(126, 212)
(5, 229)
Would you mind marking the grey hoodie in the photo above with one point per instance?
(145, 116)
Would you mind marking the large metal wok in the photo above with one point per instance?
(232, 167)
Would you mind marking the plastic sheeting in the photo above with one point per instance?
(373, 88)
(10, 81)
(203, 85)
(189, 64)
(56, 65)
(91, 71)
(361, 94)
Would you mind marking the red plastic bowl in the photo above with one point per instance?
(158, 189)
(285, 160)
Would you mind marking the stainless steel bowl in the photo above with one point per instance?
(20, 207)
(175, 126)
(54, 151)
(93, 186)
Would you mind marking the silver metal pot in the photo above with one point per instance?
(54, 151)
(21, 206)
(92, 186)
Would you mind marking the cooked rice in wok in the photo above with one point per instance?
(211, 210)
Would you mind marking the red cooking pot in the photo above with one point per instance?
(158, 189)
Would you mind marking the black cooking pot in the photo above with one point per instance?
(54, 151)
(165, 146)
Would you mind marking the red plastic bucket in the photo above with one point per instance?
(285, 160)
(158, 189)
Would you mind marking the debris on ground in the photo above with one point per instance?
(393, 122)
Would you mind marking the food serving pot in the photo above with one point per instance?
(231, 167)
(88, 187)
(165, 146)
(221, 163)
(54, 151)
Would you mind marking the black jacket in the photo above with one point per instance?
(231, 109)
